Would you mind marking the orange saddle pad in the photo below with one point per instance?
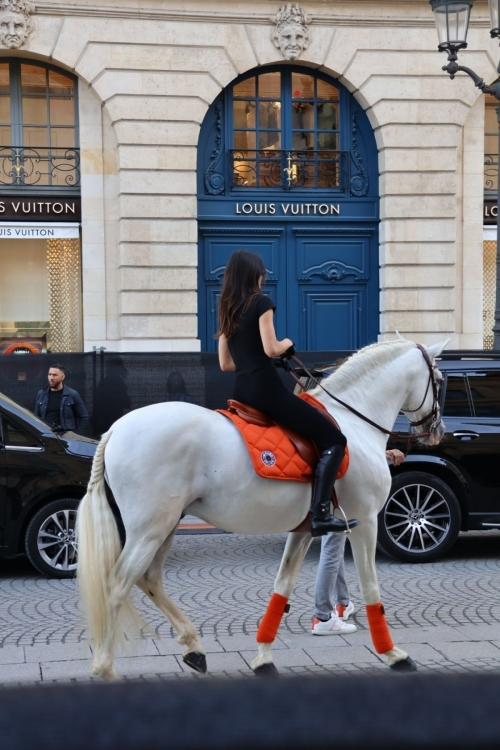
(274, 454)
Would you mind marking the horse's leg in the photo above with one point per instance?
(296, 548)
(152, 585)
(363, 542)
(134, 560)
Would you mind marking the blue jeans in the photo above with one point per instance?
(331, 586)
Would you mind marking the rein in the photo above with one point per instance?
(391, 433)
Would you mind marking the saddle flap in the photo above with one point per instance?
(304, 447)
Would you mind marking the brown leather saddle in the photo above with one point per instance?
(305, 448)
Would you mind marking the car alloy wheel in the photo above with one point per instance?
(51, 538)
(417, 518)
(56, 540)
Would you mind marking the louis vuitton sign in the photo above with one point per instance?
(287, 209)
(46, 208)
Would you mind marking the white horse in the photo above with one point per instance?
(168, 459)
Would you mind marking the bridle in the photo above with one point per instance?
(434, 413)
(436, 410)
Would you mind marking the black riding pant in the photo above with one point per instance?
(264, 390)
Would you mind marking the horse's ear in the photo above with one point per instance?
(401, 338)
(436, 349)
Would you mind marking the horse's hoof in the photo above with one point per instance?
(405, 665)
(196, 661)
(266, 670)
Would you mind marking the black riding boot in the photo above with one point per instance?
(322, 521)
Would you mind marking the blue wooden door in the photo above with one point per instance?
(288, 168)
(324, 282)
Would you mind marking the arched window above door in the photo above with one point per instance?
(279, 129)
(286, 132)
(38, 127)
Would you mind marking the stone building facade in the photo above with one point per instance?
(148, 72)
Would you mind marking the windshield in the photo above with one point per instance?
(27, 413)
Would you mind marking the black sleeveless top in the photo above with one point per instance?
(258, 383)
(245, 345)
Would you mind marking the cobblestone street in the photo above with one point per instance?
(445, 614)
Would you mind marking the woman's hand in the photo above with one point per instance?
(225, 359)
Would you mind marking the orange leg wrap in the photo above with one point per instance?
(379, 629)
(271, 621)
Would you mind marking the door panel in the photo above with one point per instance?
(332, 289)
(217, 246)
(331, 319)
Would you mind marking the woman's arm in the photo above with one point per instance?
(272, 347)
(225, 359)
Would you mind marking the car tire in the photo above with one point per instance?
(421, 518)
(53, 558)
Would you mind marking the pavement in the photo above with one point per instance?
(445, 614)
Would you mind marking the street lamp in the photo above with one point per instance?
(452, 23)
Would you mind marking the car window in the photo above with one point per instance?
(15, 436)
(485, 392)
(456, 402)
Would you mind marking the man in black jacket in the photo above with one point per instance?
(60, 406)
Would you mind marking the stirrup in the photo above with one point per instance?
(347, 530)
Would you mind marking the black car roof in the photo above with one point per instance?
(464, 360)
(16, 410)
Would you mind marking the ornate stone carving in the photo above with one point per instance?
(16, 23)
(214, 177)
(359, 180)
(291, 33)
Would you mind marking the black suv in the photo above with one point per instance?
(43, 476)
(455, 486)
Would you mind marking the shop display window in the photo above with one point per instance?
(40, 296)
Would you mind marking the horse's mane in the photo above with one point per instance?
(364, 361)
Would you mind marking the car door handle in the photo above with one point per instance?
(465, 435)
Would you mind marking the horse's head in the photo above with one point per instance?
(425, 388)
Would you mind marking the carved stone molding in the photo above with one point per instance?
(16, 23)
(291, 33)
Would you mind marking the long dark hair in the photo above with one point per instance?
(240, 285)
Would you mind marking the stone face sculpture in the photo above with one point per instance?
(16, 23)
(291, 35)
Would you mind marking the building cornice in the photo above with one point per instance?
(225, 16)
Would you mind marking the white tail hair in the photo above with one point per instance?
(99, 547)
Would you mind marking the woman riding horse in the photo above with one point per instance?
(247, 343)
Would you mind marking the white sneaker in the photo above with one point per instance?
(344, 612)
(333, 626)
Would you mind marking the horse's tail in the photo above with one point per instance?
(99, 547)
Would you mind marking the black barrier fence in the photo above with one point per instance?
(112, 384)
(393, 712)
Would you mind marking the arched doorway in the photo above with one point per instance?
(287, 167)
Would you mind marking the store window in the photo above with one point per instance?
(490, 219)
(40, 264)
(38, 126)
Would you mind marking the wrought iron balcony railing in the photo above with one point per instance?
(269, 168)
(51, 168)
(490, 173)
